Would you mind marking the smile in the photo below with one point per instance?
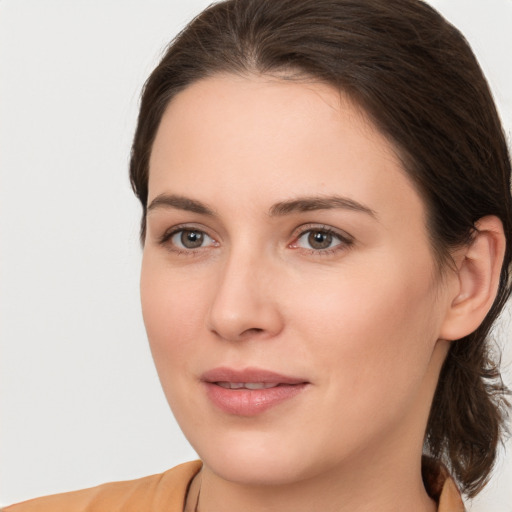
(246, 385)
(251, 391)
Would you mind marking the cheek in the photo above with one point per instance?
(172, 308)
(376, 327)
(371, 340)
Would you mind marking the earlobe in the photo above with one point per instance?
(477, 280)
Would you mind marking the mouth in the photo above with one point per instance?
(246, 385)
(250, 391)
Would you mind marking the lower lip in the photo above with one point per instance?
(250, 402)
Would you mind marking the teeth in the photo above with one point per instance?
(259, 385)
(247, 385)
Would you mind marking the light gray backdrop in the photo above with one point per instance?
(80, 400)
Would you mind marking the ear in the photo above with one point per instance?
(476, 280)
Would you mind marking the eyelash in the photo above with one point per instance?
(345, 240)
(166, 238)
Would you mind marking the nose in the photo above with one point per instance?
(245, 303)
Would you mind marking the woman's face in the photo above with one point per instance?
(288, 288)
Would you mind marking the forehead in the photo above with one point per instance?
(246, 135)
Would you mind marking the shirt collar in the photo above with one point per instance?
(441, 487)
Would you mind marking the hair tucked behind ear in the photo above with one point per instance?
(418, 80)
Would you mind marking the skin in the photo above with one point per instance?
(361, 321)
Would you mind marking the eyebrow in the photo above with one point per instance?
(180, 203)
(308, 204)
(301, 204)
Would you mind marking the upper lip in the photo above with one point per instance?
(224, 374)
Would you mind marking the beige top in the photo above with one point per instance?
(166, 492)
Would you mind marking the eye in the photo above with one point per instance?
(318, 240)
(189, 239)
(321, 239)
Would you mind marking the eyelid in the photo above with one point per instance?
(346, 240)
(304, 228)
(165, 238)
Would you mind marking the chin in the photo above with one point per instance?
(262, 458)
(254, 469)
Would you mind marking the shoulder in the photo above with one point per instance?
(162, 492)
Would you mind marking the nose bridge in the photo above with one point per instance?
(244, 303)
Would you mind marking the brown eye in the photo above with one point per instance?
(190, 239)
(319, 240)
(322, 240)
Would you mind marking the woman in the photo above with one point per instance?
(326, 227)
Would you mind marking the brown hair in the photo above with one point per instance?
(418, 80)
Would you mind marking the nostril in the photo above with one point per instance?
(238, 316)
(253, 330)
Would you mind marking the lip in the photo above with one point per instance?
(250, 402)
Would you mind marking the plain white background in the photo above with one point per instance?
(80, 400)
